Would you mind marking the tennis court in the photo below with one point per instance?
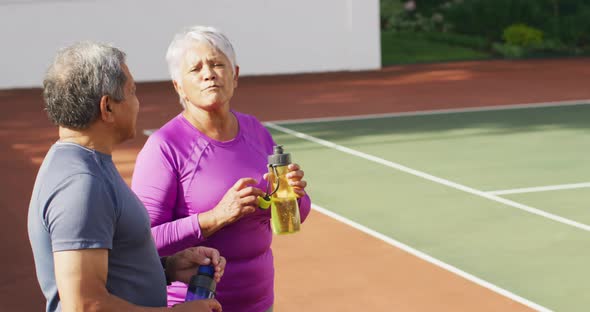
(456, 186)
(415, 210)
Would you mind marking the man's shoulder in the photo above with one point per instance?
(66, 159)
(69, 163)
(70, 178)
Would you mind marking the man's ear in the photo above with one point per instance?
(236, 76)
(106, 112)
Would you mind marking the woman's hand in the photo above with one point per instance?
(295, 178)
(241, 199)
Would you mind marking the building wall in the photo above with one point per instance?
(270, 36)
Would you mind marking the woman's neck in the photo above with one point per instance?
(217, 125)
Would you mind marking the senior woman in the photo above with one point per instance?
(200, 174)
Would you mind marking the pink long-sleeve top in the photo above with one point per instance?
(180, 173)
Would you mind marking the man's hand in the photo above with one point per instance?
(183, 265)
(81, 277)
(206, 305)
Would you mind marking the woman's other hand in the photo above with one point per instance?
(295, 178)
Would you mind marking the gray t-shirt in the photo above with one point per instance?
(80, 202)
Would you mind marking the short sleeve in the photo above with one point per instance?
(81, 214)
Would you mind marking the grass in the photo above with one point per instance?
(407, 48)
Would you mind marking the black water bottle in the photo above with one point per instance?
(202, 285)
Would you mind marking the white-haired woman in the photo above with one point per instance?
(200, 174)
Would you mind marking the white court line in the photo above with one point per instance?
(430, 177)
(541, 188)
(437, 112)
(430, 259)
(148, 132)
(441, 181)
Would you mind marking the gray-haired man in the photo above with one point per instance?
(89, 233)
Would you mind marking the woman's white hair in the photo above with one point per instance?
(198, 34)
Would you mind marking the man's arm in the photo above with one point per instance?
(81, 277)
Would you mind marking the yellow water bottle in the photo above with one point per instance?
(285, 217)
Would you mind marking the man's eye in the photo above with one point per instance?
(218, 64)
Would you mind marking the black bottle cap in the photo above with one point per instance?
(278, 158)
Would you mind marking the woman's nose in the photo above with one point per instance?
(208, 73)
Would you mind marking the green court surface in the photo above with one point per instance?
(534, 257)
(572, 204)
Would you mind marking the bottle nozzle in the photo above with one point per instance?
(279, 157)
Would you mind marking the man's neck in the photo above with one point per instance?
(88, 138)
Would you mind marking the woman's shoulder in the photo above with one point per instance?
(173, 135)
(172, 129)
(255, 131)
(249, 122)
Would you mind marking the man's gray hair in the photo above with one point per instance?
(80, 75)
(198, 34)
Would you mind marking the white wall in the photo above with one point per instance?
(270, 36)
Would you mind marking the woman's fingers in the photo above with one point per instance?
(299, 192)
(293, 167)
(295, 175)
(244, 182)
(298, 184)
(250, 191)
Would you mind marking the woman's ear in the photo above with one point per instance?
(106, 112)
(236, 76)
(178, 89)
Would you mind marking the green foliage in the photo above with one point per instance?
(394, 16)
(567, 21)
(391, 11)
(489, 18)
(415, 22)
(509, 51)
(575, 28)
(411, 47)
(522, 35)
(518, 28)
(467, 41)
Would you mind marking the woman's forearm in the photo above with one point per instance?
(210, 222)
(174, 236)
